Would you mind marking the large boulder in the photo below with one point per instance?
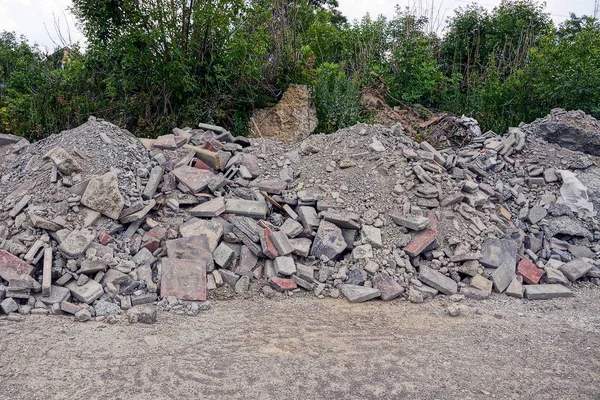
(291, 120)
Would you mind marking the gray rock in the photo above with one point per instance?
(242, 286)
(495, 252)
(301, 246)
(156, 176)
(76, 243)
(575, 269)
(547, 291)
(359, 294)
(103, 195)
(554, 275)
(371, 235)
(104, 308)
(285, 266)
(291, 228)
(389, 288)
(566, 225)
(437, 280)
(223, 256)
(362, 252)
(247, 208)
(9, 305)
(328, 242)
(145, 314)
(58, 294)
(536, 214)
(356, 277)
(281, 243)
(87, 293)
(503, 276)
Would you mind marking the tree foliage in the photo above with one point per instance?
(154, 64)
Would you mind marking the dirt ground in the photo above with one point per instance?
(304, 348)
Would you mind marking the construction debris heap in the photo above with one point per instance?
(97, 223)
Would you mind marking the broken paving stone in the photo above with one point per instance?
(470, 268)
(242, 286)
(565, 225)
(305, 272)
(183, 279)
(12, 267)
(343, 219)
(223, 256)
(138, 215)
(308, 217)
(285, 266)
(389, 288)
(41, 223)
(64, 161)
(359, 294)
(575, 269)
(411, 222)
(196, 180)
(554, 275)
(281, 243)
(483, 284)
(191, 248)
(103, 195)
(371, 235)
(270, 186)
(536, 214)
(282, 284)
(529, 271)
(91, 266)
(58, 294)
(547, 291)
(156, 176)
(495, 252)
(515, 289)
(210, 209)
(503, 276)
(247, 262)
(437, 280)
(76, 243)
(301, 246)
(9, 305)
(16, 210)
(87, 293)
(328, 242)
(247, 208)
(420, 242)
(291, 228)
(212, 229)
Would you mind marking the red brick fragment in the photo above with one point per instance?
(104, 238)
(529, 271)
(12, 267)
(420, 242)
(283, 284)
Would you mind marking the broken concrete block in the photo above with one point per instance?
(485, 285)
(9, 305)
(437, 280)
(301, 246)
(362, 252)
(575, 269)
(411, 222)
(196, 180)
(328, 242)
(76, 243)
(420, 242)
(547, 291)
(223, 256)
(389, 288)
(41, 223)
(270, 186)
(291, 228)
(343, 219)
(87, 293)
(47, 272)
(210, 209)
(247, 208)
(554, 275)
(191, 248)
(103, 195)
(515, 289)
(16, 210)
(183, 279)
(281, 243)
(495, 252)
(58, 294)
(12, 267)
(359, 294)
(156, 176)
(63, 160)
(371, 235)
(285, 266)
(308, 217)
(212, 229)
(282, 284)
(503, 276)
(536, 214)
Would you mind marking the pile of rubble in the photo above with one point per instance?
(97, 223)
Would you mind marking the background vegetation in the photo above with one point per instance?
(151, 65)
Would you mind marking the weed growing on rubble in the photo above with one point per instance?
(150, 66)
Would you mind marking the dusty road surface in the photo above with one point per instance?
(304, 348)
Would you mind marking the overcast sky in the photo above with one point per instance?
(36, 18)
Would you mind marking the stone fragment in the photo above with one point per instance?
(247, 263)
(420, 242)
(547, 291)
(343, 219)
(191, 248)
(212, 229)
(247, 208)
(291, 228)
(308, 217)
(103, 195)
(223, 256)
(565, 225)
(371, 235)
(58, 294)
(196, 180)
(389, 288)
(481, 283)
(143, 298)
(515, 289)
(228, 277)
(575, 269)
(281, 243)
(503, 276)
(536, 214)
(83, 315)
(144, 314)
(47, 272)
(156, 176)
(437, 280)
(529, 271)
(76, 243)
(412, 222)
(16, 210)
(138, 215)
(285, 266)
(301, 246)
(63, 160)
(305, 272)
(210, 209)
(242, 286)
(41, 223)
(87, 293)
(282, 284)
(359, 294)
(12, 267)
(328, 242)
(270, 186)
(69, 308)
(9, 305)
(183, 279)
(554, 275)
(495, 252)
(362, 252)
